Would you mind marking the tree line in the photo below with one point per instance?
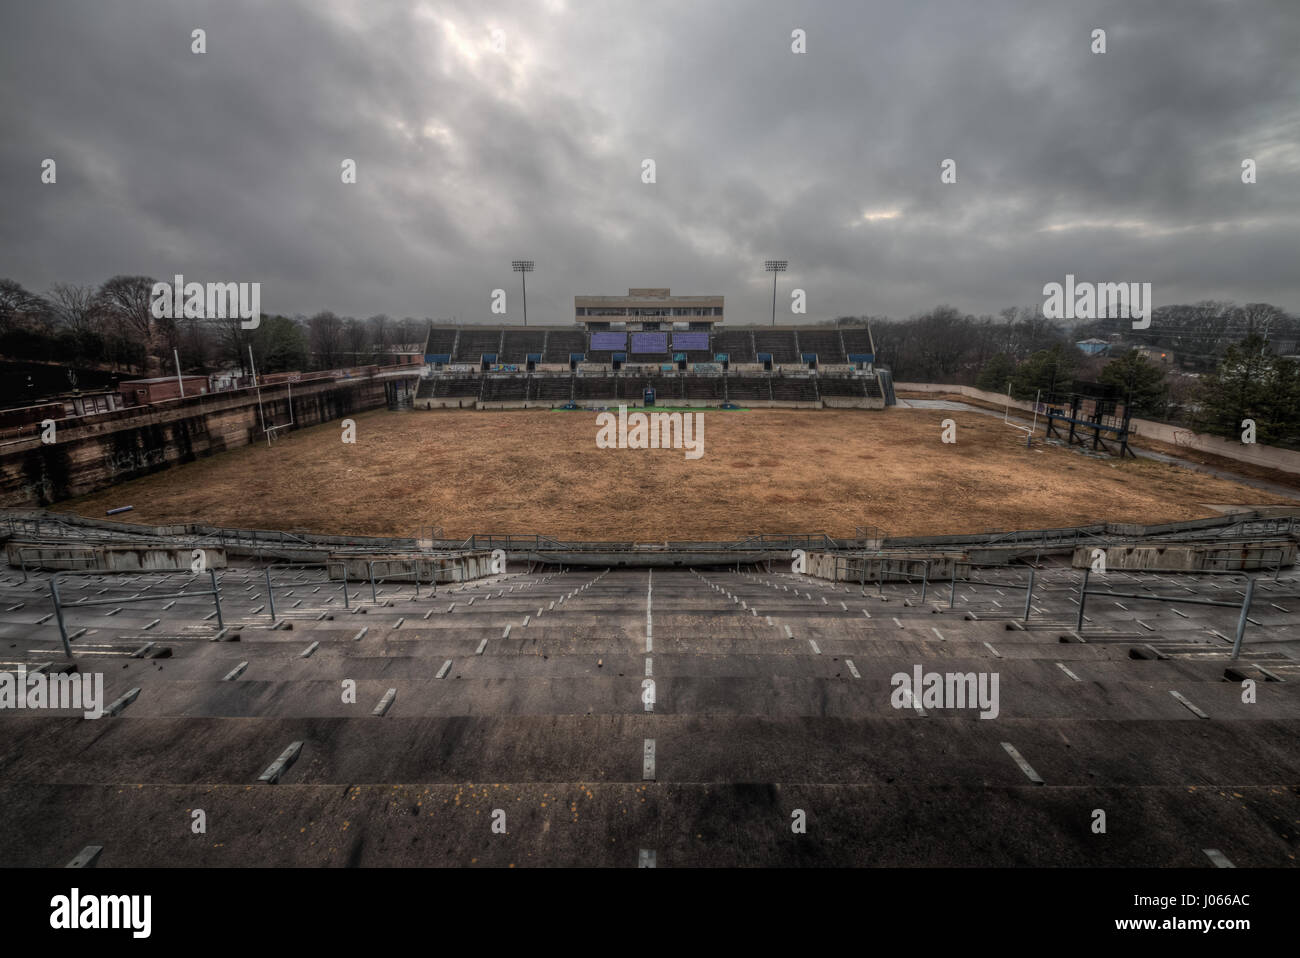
(1229, 363)
(112, 326)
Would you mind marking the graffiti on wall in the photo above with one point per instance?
(132, 459)
(41, 490)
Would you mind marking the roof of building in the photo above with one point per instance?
(157, 379)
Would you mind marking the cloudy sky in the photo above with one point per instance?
(226, 165)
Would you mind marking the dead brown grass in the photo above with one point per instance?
(762, 471)
(1249, 470)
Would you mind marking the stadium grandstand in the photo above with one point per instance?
(650, 347)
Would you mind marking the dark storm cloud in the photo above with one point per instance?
(1122, 166)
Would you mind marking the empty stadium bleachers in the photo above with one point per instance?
(737, 343)
(749, 388)
(520, 342)
(513, 345)
(456, 386)
(474, 343)
(794, 389)
(505, 388)
(787, 347)
(593, 387)
(824, 342)
(553, 388)
(667, 388)
(841, 386)
(779, 342)
(705, 387)
(440, 341)
(561, 343)
(514, 679)
(856, 341)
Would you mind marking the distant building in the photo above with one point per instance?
(141, 392)
(400, 357)
(1155, 354)
(1094, 347)
(89, 402)
(647, 309)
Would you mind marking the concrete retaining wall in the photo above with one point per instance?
(841, 568)
(445, 402)
(100, 451)
(853, 402)
(1272, 457)
(395, 567)
(115, 558)
(1184, 557)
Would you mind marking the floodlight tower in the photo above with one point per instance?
(523, 267)
(775, 266)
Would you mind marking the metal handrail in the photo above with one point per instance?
(22, 559)
(1246, 601)
(1220, 529)
(215, 592)
(270, 592)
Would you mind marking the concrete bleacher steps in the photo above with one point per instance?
(457, 386)
(787, 390)
(836, 386)
(493, 389)
(738, 344)
(563, 343)
(504, 388)
(519, 343)
(751, 388)
(856, 341)
(553, 388)
(780, 343)
(772, 692)
(473, 343)
(467, 344)
(594, 387)
(440, 341)
(825, 343)
(802, 389)
(606, 824)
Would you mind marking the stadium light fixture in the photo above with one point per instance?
(775, 266)
(523, 267)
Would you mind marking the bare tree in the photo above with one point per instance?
(381, 331)
(76, 308)
(125, 301)
(413, 332)
(197, 344)
(356, 335)
(232, 341)
(1259, 318)
(325, 338)
(17, 304)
